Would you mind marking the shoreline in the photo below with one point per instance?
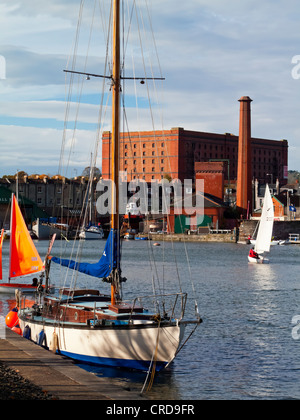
(40, 374)
(209, 237)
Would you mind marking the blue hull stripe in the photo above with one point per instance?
(121, 363)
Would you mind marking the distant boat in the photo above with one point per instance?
(265, 230)
(130, 234)
(24, 258)
(88, 230)
(44, 230)
(92, 232)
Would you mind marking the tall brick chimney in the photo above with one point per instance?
(244, 177)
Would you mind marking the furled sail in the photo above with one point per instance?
(108, 261)
(24, 257)
(265, 230)
(1, 242)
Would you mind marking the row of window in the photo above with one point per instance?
(41, 189)
(144, 153)
(144, 169)
(143, 177)
(58, 201)
(144, 161)
(232, 149)
(126, 146)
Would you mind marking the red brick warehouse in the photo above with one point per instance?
(152, 155)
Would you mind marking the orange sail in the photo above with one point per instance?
(1, 242)
(24, 258)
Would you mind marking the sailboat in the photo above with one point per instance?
(273, 241)
(24, 258)
(92, 327)
(91, 231)
(265, 230)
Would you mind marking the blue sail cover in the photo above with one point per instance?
(110, 259)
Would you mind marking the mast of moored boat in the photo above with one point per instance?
(116, 89)
(10, 236)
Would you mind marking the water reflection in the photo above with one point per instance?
(164, 386)
(263, 276)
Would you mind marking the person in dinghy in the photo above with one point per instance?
(253, 254)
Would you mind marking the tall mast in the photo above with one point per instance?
(116, 89)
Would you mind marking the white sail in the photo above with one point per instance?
(265, 230)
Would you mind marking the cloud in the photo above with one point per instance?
(39, 148)
(51, 110)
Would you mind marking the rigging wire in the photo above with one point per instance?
(102, 110)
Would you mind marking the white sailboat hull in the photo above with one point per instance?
(42, 231)
(129, 346)
(263, 240)
(260, 260)
(91, 234)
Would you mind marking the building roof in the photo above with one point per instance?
(210, 201)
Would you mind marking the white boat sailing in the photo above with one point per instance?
(105, 329)
(265, 231)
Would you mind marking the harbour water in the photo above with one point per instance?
(244, 349)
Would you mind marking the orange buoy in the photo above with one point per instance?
(17, 329)
(12, 318)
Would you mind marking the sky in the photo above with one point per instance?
(211, 52)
